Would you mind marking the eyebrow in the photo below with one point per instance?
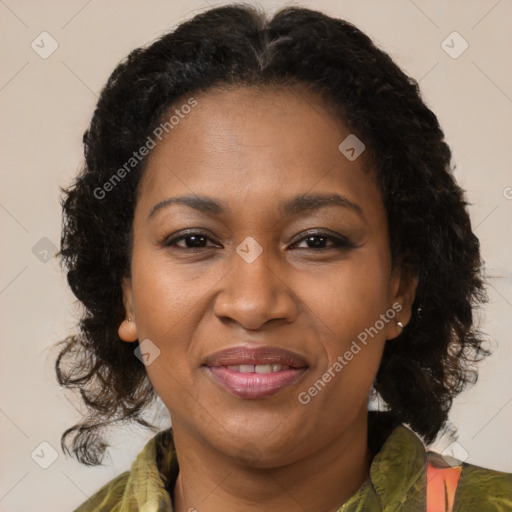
(298, 204)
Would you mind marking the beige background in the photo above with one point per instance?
(46, 105)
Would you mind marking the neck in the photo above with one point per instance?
(209, 481)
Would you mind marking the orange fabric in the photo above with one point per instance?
(441, 487)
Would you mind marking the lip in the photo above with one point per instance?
(255, 385)
(243, 354)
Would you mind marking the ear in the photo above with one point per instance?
(404, 281)
(128, 329)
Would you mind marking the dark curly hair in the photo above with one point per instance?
(434, 357)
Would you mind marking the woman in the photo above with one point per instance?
(267, 233)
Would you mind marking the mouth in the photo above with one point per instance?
(257, 372)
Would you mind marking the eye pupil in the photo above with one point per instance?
(316, 240)
(196, 240)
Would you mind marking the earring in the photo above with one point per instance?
(400, 324)
(129, 319)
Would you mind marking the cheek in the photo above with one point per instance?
(165, 305)
(351, 298)
(165, 295)
(350, 308)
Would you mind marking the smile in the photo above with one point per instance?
(254, 373)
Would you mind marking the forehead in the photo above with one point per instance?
(250, 145)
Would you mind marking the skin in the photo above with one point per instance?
(252, 149)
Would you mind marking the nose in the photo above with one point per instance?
(255, 293)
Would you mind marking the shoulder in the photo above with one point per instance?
(109, 497)
(484, 489)
(144, 486)
(480, 488)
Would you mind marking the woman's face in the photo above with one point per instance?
(281, 259)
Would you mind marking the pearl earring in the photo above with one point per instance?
(400, 324)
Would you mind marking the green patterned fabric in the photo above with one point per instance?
(396, 483)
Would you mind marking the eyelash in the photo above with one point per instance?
(337, 242)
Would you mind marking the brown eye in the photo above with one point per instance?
(323, 241)
(192, 240)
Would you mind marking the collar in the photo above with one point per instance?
(397, 475)
(152, 476)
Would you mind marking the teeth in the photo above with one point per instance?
(265, 368)
(258, 368)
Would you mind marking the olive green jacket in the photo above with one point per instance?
(396, 482)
